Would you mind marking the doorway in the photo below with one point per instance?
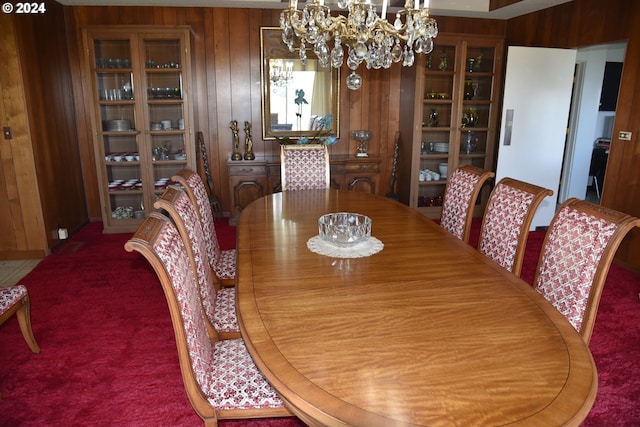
(589, 128)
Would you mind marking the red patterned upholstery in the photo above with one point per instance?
(575, 258)
(463, 187)
(220, 377)
(11, 295)
(222, 262)
(506, 221)
(220, 314)
(15, 300)
(304, 167)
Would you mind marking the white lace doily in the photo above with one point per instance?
(359, 250)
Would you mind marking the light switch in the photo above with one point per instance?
(624, 135)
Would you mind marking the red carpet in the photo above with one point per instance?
(109, 357)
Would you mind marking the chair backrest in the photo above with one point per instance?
(304, 167)
(507, 218)
(195, 189)
(159, 241)
(181, 210)
(575, 258)
(461, 192)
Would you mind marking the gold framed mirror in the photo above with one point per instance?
(298, 100)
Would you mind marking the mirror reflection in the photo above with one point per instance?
(300, 100)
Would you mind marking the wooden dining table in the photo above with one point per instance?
(425, 332)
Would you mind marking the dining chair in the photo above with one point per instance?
(220, 378)
(15, 300)
(223, 262)
(506, 221)
(597, 168)
(576, 254)
(460, 194)
(218, 304)
(304, 167)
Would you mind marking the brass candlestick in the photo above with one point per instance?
(233, 124)
(248, 142)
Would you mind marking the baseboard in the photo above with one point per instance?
(18, 255)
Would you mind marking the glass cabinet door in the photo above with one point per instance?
(118, 128)
(476, 125)
(163, 62)
(142, 125)
(438, 124)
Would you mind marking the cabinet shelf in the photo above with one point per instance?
(165, 101)
(125, 192)
(437, 101)
(432, 182)
(113, 70)
(162, 70)
(123, 164)
(433, 73)
(435, 156)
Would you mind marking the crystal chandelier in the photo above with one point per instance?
(280, 72)
(369, 37)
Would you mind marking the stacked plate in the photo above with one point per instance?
(440, 147)
(117, 125)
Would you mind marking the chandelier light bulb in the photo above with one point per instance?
(368, 37)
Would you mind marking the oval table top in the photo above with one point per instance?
(425, 332)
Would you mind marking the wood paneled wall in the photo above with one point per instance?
(226, 80)
(583, 23)
(41, 169)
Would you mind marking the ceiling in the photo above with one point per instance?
(462, 8)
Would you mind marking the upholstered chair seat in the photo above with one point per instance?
(506, 221)
(576, 254)
(461, 192)
(220, 377)
(225, 320)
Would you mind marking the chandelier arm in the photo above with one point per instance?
(370, 37)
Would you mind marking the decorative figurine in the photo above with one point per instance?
(233, 124)
(248, 142)
(443, 62)
(433, 118)
(470, 64)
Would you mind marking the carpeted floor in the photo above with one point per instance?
(109, 357)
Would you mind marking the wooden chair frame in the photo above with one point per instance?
(22, 310)
(482, 177)
(167, 202)
(538, 194)
(142, 242)
(623, 223)
(284, 174)
(182, 178)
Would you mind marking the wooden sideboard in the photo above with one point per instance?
(251, 179)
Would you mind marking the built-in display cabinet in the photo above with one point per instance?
(142, 123)
(449, 114)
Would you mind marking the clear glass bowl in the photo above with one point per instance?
(344, 228)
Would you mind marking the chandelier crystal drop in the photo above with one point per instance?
(368, 37)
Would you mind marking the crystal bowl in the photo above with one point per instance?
(344, 228)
